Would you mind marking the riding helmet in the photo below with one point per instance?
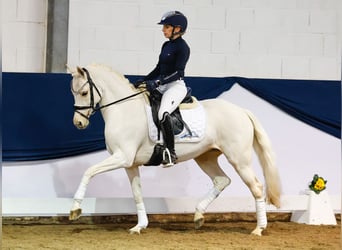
(175, 18)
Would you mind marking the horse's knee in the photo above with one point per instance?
(91, 172)
(221, 182)
(88, 173)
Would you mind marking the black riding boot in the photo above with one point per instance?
(169, 154)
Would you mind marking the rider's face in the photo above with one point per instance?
(167, 30)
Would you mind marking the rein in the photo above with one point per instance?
(94, 106)
(120, 100)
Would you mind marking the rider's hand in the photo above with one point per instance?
(138, 83)
(152, 85)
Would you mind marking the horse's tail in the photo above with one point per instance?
(262, 147)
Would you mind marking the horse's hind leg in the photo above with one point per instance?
(208, 163)
(242, 165)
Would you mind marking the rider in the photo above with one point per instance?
(167, 77)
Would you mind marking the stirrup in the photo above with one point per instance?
(168, 160)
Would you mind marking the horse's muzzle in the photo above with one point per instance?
(80, 122)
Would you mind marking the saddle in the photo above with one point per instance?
(177, 121)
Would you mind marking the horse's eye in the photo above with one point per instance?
(84, 93)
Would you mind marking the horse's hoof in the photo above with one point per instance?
(136, 229)
(199, 223)
(199, 220)
(257, 231)
(75, 214)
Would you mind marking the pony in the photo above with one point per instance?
(230, 130)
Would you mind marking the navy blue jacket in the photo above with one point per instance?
(172, 61)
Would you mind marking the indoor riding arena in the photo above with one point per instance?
(257, 139)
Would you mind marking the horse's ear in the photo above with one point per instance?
(75, 71)
(69, 69)
(80, 71)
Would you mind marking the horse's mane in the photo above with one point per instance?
(108, 69)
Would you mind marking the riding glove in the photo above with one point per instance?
(138, 83)
(152, 85)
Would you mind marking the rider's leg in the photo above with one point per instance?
(173, 94)
(172, 97)
(169, 156)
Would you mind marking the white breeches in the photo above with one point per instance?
(173, 95)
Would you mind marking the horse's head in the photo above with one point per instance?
(86, 96)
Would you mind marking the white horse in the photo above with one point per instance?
(230, 130)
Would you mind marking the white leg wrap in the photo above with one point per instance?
(261, 213)
(205, 202)
(142, 217)
(220, 182)
(79, 195)
(141, 211)
(76, 205)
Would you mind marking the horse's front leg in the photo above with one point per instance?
(134, 178)
(115, 161)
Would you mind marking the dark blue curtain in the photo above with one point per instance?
(37, 119)
(38, 110)
(317, 103)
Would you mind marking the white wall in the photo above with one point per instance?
(250, 38)
(24, 25)
(266, 39)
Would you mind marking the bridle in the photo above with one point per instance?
(92, 105)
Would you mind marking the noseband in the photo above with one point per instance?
(92, 105)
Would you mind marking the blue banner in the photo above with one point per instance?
(38, 110)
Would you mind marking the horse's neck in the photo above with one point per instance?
(114, 88)
(109, 84)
